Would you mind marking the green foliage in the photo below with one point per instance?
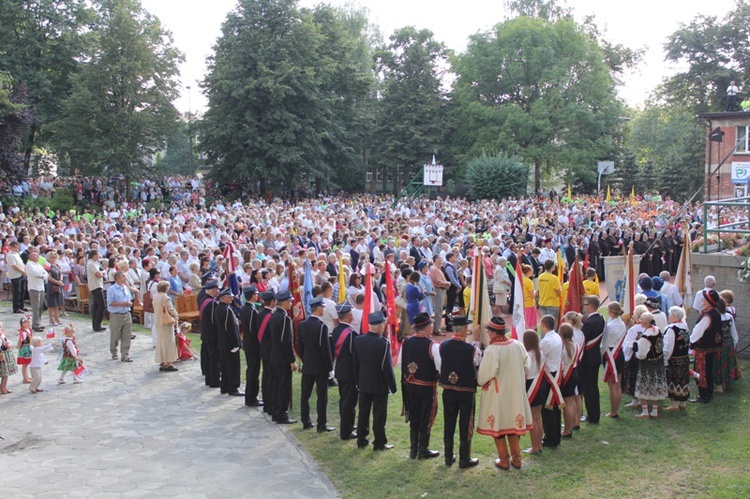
(15, 117)
(496, 177)
(119, 112)
(540, 90)
(411, 113)
(62, 201)
(177, 159)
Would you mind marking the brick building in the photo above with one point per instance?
(731, 180)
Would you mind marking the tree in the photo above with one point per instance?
(15, 118)
(541, 90)
(178, 159)
(41, 42)
(411, 112)
(120, 112)
(496, 177)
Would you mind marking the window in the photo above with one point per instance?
(741, 139)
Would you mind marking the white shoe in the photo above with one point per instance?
(61, 381)
(77, 381)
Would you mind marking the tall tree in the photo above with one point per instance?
(411, 113)
(15, 118)
(179, 158)
(120, 112)
(40, 44)
(541, 90)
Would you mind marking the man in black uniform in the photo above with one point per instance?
(317, 365)
(420, 370)
(228, 342)
(342, 342)
(249, 321)
(458, 377)
(283, 361)
(373, 370)
(593, 330)
(264, 340)
(209, 346)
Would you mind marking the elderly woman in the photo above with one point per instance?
(651, 379)
(501, 286)
(504, 409)
(55, 286)
(165, 317)
(676, 359)
(194, 283)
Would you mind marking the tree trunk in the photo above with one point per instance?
(29, 149)
(537, 177)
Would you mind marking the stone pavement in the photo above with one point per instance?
(132, 431)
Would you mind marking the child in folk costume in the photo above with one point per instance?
(537, 389)
(70, 356)
(725, 366)
(612, 356)
(570, 357)
(651, 380)
(24, 347)
(183, 343)
(630, 367)
(37, 362)
(576, 320)
(676, 345)
(7, 362)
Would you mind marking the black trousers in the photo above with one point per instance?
(590, 384)
(421, 403)
(348, 395)
(213, 376)
(204, 360)
(551, 424)
(18, 285)
(707, 393)
(458, 406)
(321, 392)
(282, 390)
(96, 301)
(266, 387)
(252, 375)
(378, 403)
(230, 371)
(450, 302)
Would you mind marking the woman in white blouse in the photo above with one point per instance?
(612, 356)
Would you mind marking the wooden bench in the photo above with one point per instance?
(83, 298)
(187, 308)
(138, 315)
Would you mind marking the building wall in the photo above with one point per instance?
(724, 268)
(719, 150)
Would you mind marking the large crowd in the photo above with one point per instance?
(235, 254)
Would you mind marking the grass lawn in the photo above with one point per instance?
(703, 452)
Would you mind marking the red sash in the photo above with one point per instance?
(555, 395)
(262, 328)
(591, 344)
(610, 372)
(203, 306)
(536, 383)
(340, 343)
(569, 370)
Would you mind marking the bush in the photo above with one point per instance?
(496, 177)
(62, 200)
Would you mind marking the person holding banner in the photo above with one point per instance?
(537, 389)
(551, 346)
(342, 341)
(614, 362)
(593, 330)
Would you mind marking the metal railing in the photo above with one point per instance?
(730, 228)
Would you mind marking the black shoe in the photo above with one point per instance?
(324, 429)
(569, 435)
(236, 394)
(332, 382)
(699, 400)
(132, 336)
(25, 309)
(286, 421)
(255, 403)
(586, 419)
(449, 460)
(545, 443)
(351, 436)
(308, 426)
(361, 444)
(462, 465)
(577, 428)
(383, 447)
(428, 454)
(171, 369)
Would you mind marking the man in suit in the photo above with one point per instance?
(264, 340)
(228, 343)
(283, 361)
(458, 377)
(249, 322)
(209, 347)
(342, 342)
(373, 370)
(593, 330)
(420, 370)
(317, 365)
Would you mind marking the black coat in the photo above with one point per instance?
(265, 343)
(344, 361)
(227, 327)
(249, 322)
(282, 343)
(373, 367)
(593, 327)
(314, 347)
(207, 319)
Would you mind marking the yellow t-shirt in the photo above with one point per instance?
(564, 294)
(467, 296)
(528, 293)
(549, 285)
(591, 288)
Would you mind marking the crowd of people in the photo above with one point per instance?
(236, 256)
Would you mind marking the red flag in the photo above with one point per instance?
(519, 319)
(586, 262)
(390, 307)
(298, 308)
(575, 289)
(367, 306)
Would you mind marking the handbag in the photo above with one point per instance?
(166, 318)
(55, 288)
(148, 302)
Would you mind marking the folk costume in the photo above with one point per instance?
(706, 341)
(677, 362)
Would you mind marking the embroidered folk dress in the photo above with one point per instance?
(504, 407)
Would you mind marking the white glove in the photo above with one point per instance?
(235, 350)
(331, 375)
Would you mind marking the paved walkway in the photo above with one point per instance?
(131, 431)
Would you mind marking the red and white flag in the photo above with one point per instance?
(519, 320)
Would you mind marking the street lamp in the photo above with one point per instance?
(190, 131)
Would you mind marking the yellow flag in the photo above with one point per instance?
(560, 265)
(342, 282)
(609, 195)
(632, 195)
(569, 194)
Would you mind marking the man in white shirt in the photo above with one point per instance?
(36, 276)
(16, 271)
(330, 316)
(551, 346)
(670, 290)
(732, 91)
(709, 282)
